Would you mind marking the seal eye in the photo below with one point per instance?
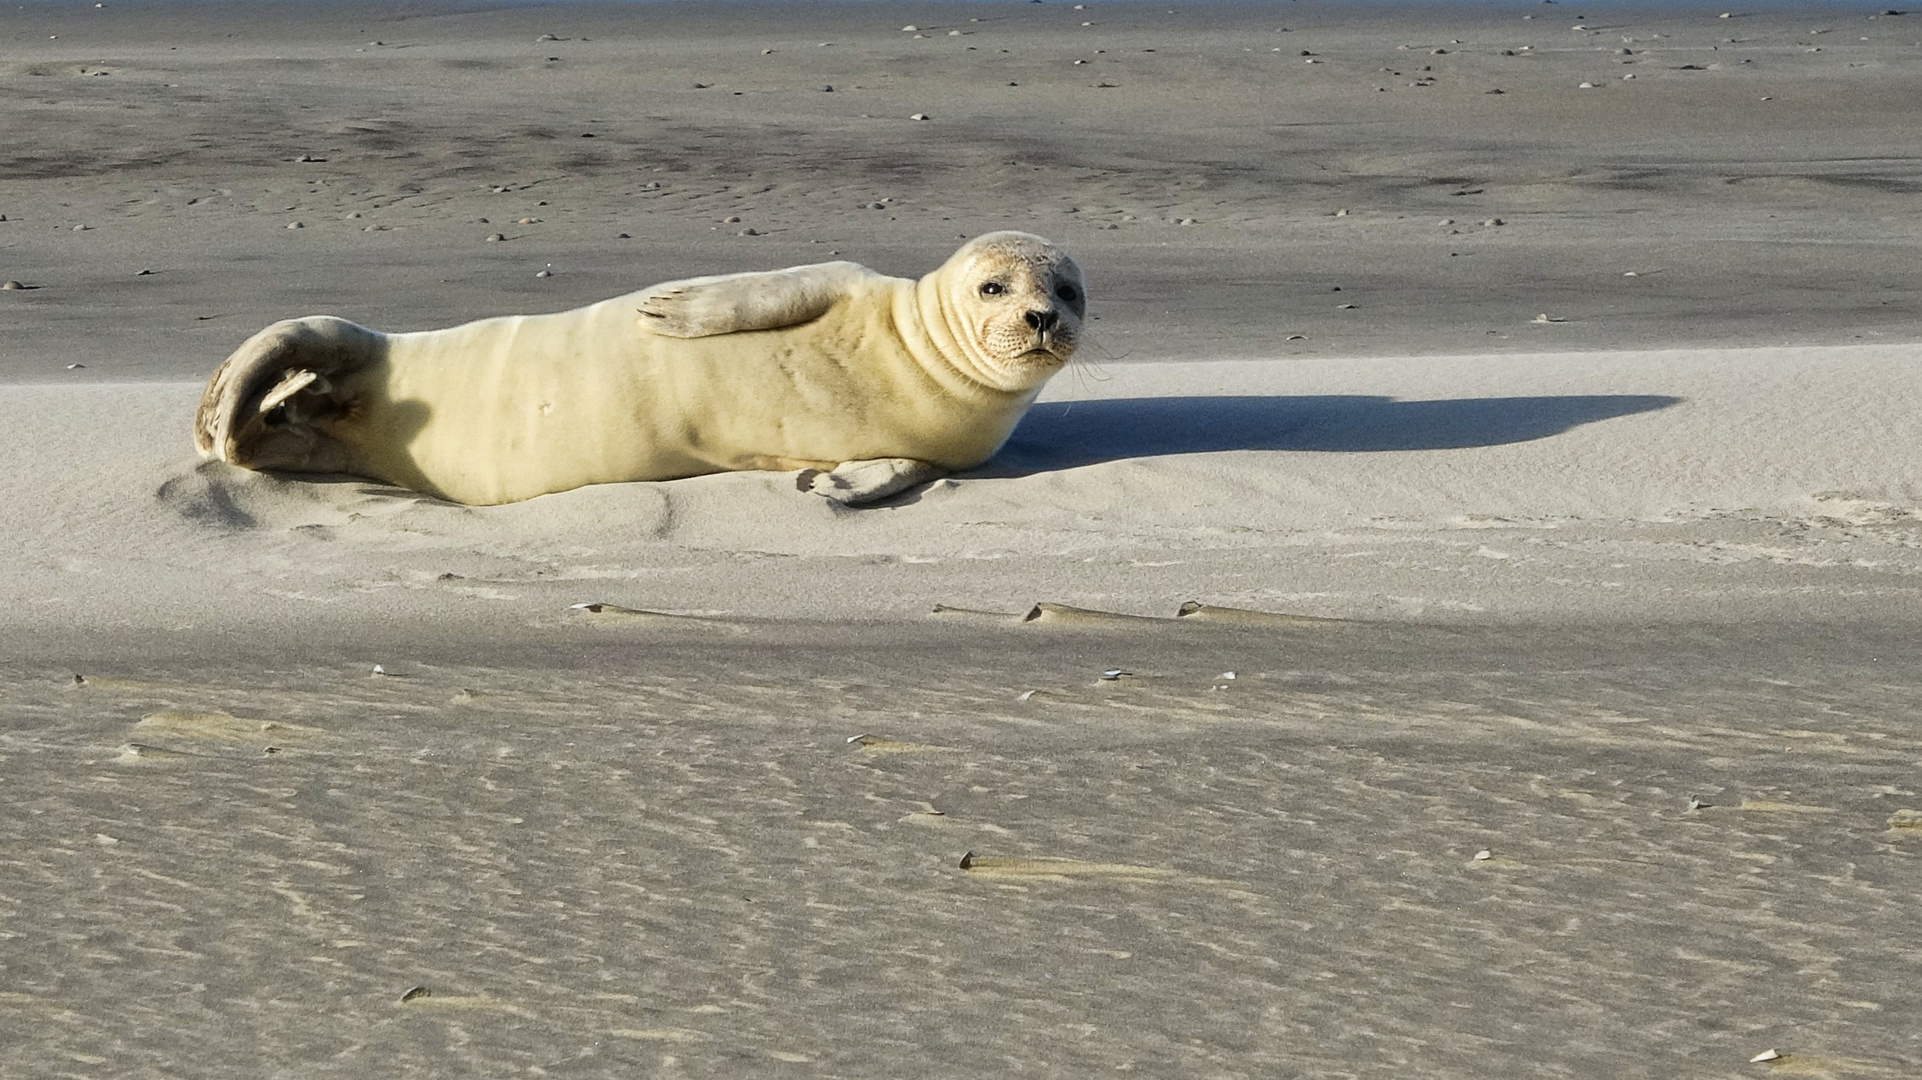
(1067, 293)
(993, 288)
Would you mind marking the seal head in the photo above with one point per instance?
(1013, 305)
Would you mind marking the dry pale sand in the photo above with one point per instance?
(1625, 598)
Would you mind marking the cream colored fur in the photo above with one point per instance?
(881, 383)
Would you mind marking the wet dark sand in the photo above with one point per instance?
(1747, 221)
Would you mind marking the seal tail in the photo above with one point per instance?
(266, 406)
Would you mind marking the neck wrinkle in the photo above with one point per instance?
(964, 371)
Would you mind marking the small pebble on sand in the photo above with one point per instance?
(11, 286)
(731, 219)
(749, 232)
(75, 367)
(492, 237)
(296, 225)
(82, 228)
(919, 116)
(545, 273)
(1493, 222)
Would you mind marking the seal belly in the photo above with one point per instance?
(505, 409)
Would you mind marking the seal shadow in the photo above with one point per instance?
(1066, 434)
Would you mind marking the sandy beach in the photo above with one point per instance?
(1536, 470)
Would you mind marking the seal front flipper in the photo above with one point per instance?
(267, 405)
(732, 303)
(853, 483)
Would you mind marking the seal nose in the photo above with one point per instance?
(1043, 320)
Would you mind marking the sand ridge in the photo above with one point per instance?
(1671, 485)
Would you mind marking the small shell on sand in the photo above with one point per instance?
(296, 225)
(919, 116)
(491, 237)
(11, 286)
(731, 219)
(545, 273)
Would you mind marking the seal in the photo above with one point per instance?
(868, 384)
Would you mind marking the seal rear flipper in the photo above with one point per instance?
(268, 405)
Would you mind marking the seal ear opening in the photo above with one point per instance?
(266, 406)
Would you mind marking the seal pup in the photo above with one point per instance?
(868, 384)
